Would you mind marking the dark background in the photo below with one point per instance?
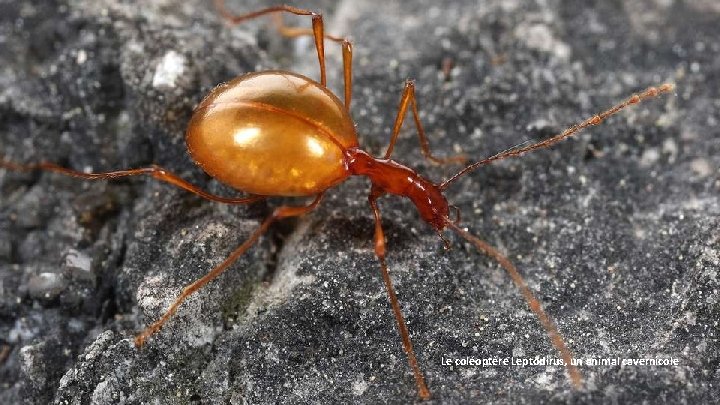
(616, 230)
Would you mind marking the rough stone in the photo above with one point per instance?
(615, 230)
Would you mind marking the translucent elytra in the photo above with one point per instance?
(272, 133)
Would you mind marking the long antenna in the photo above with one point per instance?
(535, 306)
(592, 121)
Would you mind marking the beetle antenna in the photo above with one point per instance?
(445, 240)
(510, 149)
(592, 121)
(534, 304)
(457, 214)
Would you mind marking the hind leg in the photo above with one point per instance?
(317, 31)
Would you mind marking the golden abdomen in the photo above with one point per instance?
(272, 133)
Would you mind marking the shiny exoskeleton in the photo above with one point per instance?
(280, 133)
(277, 133)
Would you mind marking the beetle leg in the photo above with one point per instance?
(278, 213)
(408, 98)
(317, 31)
(154, 171)
(423, 391)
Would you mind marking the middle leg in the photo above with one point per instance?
(278, 213)
(408, 99)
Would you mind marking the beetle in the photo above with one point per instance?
(324, 131)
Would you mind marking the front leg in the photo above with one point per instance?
(423, 391)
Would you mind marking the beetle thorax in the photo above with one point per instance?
(395, 178)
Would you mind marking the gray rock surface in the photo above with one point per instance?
(615, 230)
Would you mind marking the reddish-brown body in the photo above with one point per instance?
(278, 133)
(391, 177)
(281, 133)
(272, 133)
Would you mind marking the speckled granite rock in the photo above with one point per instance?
(616, 230)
